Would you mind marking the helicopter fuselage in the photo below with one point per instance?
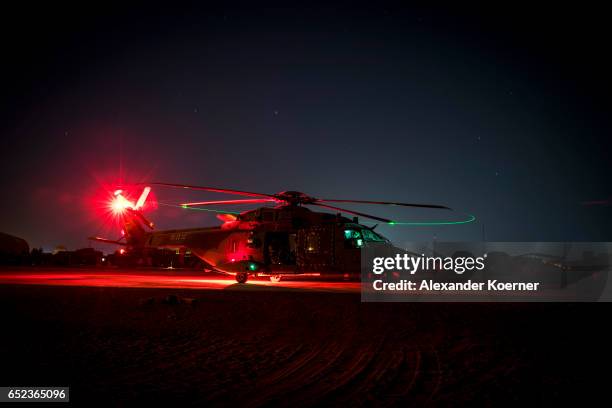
(285, 240)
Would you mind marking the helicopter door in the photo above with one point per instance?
(316, 248)
(279, 248)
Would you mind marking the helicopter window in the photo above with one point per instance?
(312, 242)
(268, 216)
(253, 241)
(351, 234)
(370, 235)
(353, 238)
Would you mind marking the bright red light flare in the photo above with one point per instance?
(119, 203)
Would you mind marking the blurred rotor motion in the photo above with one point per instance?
(292, 198)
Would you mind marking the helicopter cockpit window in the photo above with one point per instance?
(352, 234)
(371, 236)
(353, 237)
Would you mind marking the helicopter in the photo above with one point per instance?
(287, 239)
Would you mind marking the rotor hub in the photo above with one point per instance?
(294, 198)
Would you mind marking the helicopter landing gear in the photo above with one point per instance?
(242, 277)
(275, 278)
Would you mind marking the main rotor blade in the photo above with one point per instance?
(247, 201)
(213, 189)
(331, 207)
(385, 203)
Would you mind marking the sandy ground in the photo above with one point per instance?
(281, 346)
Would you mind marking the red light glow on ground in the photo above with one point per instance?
(158, 279)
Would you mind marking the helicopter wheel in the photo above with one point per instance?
(275, 278)
(242, 277)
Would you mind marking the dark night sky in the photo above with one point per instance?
(499, 112)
